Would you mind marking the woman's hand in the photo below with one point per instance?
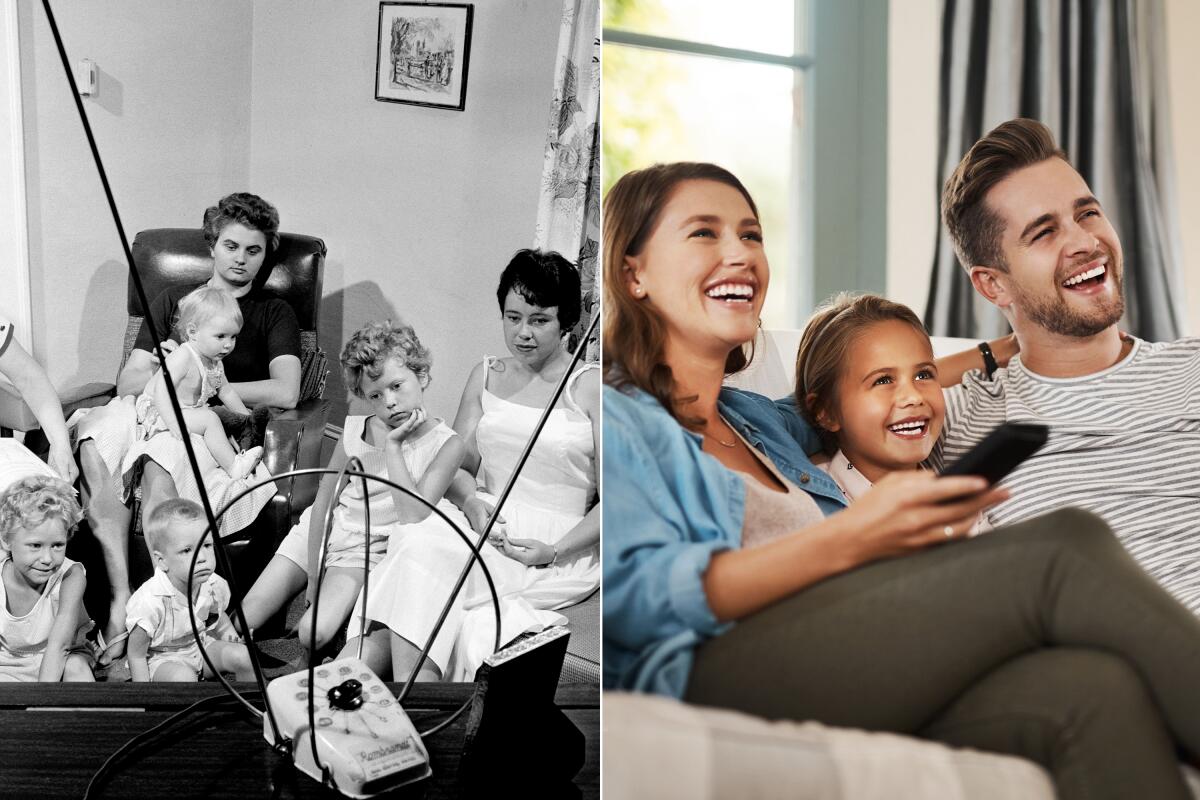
(63, 462)
(909, 511)
(529, 552)
(402, 431)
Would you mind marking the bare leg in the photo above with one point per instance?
(109, 519)
(230, 657)
(277, 584)
(375, 652)
(339, 590)
(157, 485)
(206, 423)
(77, 669)
(404, 658)
(173, 672)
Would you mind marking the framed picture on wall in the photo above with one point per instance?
(423, 53)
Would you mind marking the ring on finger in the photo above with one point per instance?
(949, 531)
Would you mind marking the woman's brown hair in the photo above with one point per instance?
(634, 333)
(825, 346)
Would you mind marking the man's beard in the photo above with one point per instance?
(1057, 316)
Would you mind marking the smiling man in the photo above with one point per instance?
(1124, 413)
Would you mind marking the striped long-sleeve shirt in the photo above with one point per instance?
(1124, 444)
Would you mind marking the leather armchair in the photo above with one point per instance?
(166, 257)
(292, 439)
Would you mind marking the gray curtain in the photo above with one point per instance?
(1095, 73)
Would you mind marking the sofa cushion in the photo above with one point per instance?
(656, 747)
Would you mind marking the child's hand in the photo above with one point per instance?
(530, 552)
(477, 513)
(168, 346)
(498, 537)
(402, 431)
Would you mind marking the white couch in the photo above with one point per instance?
(656, 748)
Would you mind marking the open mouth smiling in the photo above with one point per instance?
(912, 428)
(1087, 278)
(731, 292)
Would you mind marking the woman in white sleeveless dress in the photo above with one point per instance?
(545, 555)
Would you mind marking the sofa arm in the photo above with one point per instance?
(293, 440)
(16, 415)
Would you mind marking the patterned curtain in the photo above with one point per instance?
(569, 208)
(1095, 73)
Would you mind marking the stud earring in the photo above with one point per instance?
(638, 291)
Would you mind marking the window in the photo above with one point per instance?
(747, 86)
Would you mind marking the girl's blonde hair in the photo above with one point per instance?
(31, 501)
(825, 345)
(373, 344)
(634, 333)
(203, 304)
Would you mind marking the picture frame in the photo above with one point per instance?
(423, 53)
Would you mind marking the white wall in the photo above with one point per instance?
(420, 207)
(172, 123)
(913, 54)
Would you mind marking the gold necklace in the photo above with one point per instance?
(713, 436)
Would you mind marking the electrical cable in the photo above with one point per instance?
(487, 528)
(348, 473)
(222, 557)
(100, 777)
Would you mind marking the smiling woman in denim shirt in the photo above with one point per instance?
(735, 576)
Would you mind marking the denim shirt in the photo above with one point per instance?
(668, 507)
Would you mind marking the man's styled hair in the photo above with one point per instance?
(974, 228)
(168, 513)
(245, 208)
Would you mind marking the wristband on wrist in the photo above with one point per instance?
(989, 361)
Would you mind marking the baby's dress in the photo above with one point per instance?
(161, 610)
(349, 518)
(152, 439)
(211, 380)
(554, 492)
(23, 639)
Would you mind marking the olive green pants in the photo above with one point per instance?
(1043, 640)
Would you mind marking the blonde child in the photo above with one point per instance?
(42, 619)
(867, 380)
(208, 323)
(162, 646)
(387, 366)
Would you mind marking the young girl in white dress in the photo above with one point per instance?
(387, 366)
(209, 321)
(545, 555)
(43, 624)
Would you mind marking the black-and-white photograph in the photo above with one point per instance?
(299, 399)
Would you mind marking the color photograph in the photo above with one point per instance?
(899, 435)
